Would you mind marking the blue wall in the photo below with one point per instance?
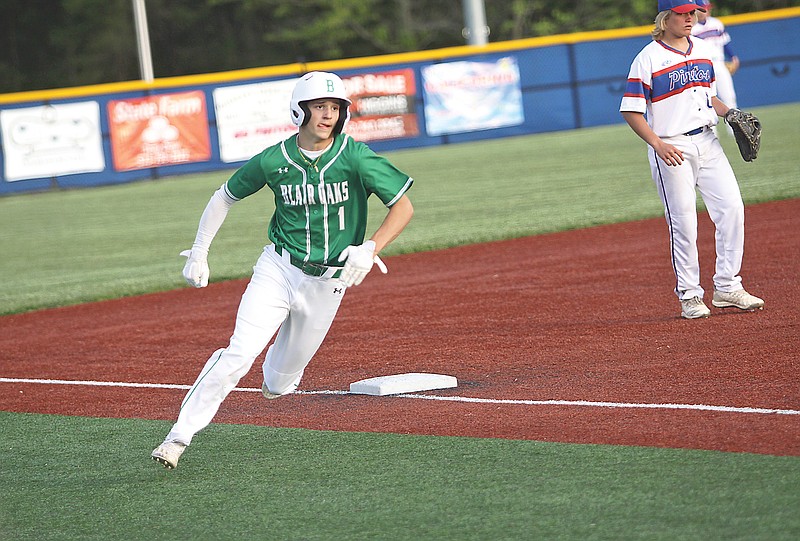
(564, 86)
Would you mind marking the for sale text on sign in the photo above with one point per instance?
(384, 105)
(167, 129)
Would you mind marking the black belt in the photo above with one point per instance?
(312, 269)
(696, 131)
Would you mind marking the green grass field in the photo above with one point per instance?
(76, 478)
(89, 244)
(79, 478)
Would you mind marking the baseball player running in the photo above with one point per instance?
(672, 82)
(321, 180)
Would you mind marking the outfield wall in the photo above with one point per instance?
(121, 132)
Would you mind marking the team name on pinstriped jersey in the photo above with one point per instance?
(694, 74)
(329, 193)
(680, 77)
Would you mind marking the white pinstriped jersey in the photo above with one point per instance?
(673, 89)
(713, 32)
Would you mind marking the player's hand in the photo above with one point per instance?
(358, 262)
(669, 154)
(196, 269)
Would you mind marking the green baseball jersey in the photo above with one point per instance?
(320, 205)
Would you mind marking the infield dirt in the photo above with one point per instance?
(586, 315)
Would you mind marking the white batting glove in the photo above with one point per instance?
(196, 269)
(359, 261)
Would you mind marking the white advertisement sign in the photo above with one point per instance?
(252, 117)
(470, 96)
(52, 140)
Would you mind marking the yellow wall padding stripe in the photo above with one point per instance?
(290, 70)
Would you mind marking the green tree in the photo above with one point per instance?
(61, 43)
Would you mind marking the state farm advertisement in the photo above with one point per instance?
(167, 129)
(384, 105)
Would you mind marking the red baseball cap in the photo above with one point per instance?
(680, 6)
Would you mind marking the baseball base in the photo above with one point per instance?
(402, 383)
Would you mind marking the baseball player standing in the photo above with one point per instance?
(321, 180)
(712, 31)
(670, 102)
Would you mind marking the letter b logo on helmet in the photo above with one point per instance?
(313, 86)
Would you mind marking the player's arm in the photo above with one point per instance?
(720, 108)
(731, 60)
(359, 259)
(396, 220)
(245, 181)
(670, 154)
(196, 270)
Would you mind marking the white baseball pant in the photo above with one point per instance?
(706, 169)
(279, 298)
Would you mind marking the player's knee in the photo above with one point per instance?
(734, 209)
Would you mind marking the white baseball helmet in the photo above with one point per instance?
(313, 86)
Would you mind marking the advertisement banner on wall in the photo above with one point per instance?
(470, 96)
(252, 117)
(52, 140)
(154, 131)
(384, 105)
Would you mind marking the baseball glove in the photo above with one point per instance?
(747, 131)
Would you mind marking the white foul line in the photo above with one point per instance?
(585, 403)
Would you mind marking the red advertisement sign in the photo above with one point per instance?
(167, 129)
(384, 105)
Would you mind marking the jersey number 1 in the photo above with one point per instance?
(341, 218)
